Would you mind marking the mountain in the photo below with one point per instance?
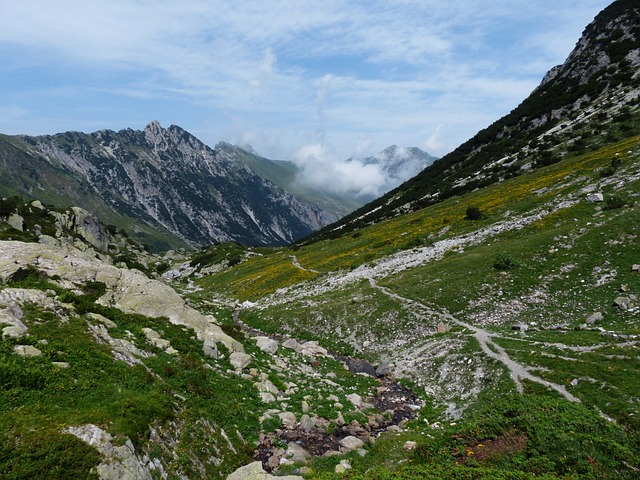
(166, 184)
(399, 164)
(286, 174)
(587, 102)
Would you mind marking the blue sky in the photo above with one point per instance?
(310, 81)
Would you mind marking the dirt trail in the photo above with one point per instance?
(517, 371)
(295, 263)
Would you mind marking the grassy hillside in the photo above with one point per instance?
(475, 310)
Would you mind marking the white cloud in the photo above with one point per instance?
(320, 168)
(285, 74)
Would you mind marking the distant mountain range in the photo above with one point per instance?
(168, 189)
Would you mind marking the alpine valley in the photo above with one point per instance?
(478, 321)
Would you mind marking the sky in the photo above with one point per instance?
(315, 82)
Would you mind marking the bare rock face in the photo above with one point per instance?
(128, 290)
(119, 463)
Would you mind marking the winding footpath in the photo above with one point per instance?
(517, 371)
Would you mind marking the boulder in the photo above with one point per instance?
(442, 328)
(313, 349)
(296, 453)
(595, 197)
(624, 302)
(210, 350)
(593, 318)
(240, 360)
(635, 267)
(267, 345)
(307, 423)
(384, 369)
(26, 351)
(14, 331)
(343, 466)
(355, 399)
(16, 221)
(288, 419)
(360, 366)
(254, 471)
(351, 443)
(292, 344)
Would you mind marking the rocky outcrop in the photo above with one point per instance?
(118, 462)
(128, 290)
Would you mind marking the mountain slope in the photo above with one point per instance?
(166, 178)
(589, 101)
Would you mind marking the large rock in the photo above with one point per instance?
(254, 471)
(267, 345)
(26, 351)
(351, 443)
(118, 462)
(128, 290)
(240, 360)
(16, 221)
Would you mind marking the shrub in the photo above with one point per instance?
(505, 262)
(612, 202)
(474, 213)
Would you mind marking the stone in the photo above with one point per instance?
(60, 364)
(210, 350)
(240, 360)
(442, 328)
(292, 344)
(355, 399)
(254, 471)
(288, 419)
(343, 466)
(595, 317)
(384, 369)
(267, 345)
(14, 331)
(307, 423)
(595, 197)
(351, 443)
(296, 453)
(129, 290)
(519, 327)
(305, 406)
(635, 267)
(16, 221)
(410, 445)
(267, 386)
(623, 303)
(313, 349)
(104, 320)
(26, 351)
(360, 366)
(37, 204)
(267, 397)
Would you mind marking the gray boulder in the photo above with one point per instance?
(16, 221)
(595, 317)
(267, 345)
(254, 471)
(240, 360)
